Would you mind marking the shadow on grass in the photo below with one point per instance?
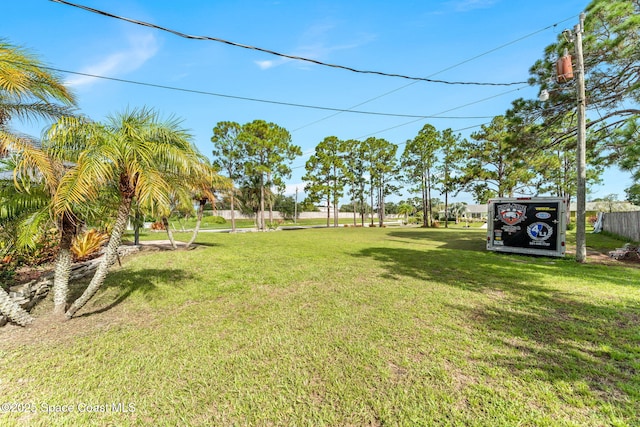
(465, 239)
(125, 282)
(539, 331)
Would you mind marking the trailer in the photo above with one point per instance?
(527, 225)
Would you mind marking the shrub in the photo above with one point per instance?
(214, 219)
(158, 225)
(88, 244)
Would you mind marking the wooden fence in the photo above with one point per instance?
(625, 224)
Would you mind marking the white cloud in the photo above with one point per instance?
(314, 46)
(141, 49)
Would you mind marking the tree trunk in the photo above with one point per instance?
(233, 214)
(270, 200)
(63, 266)
(372, 202)
(167, 226)
(13, 311)
(109, 257)
(429, 198)
(136, 228)
(196, 229)
(425, 206)
(261, 226)
(328, 210)
(354, 213)
(446, 210)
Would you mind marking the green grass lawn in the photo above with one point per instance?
(335, 327)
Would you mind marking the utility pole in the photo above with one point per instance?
(295, 209)
(581, 238)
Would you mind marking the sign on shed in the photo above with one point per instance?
(528, 225)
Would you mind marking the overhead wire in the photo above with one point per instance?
(441, 71)
(266, 101)
(272, 52)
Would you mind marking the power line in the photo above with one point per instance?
(441, 71)
(442, 112)
(265, 101)
(272, 52)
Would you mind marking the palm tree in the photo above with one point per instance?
(406, 209)
(138, 152)
(202, 190)
(28, 91)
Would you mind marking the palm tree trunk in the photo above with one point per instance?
(13, 311)
(165, 222)
(63, 266)
(110, 254)
(61, 281)
(196, 229)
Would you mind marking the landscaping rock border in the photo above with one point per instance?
(28, 294)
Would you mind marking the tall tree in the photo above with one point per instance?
(269, 153)
(355, 170)
(139, 153)
(418, 162)
(451, 157)
(328, 166)
(383, 169)
(495, 162)
(229, 154)
(611, 46)
(317, 182)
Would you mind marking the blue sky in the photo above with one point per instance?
(435, 39)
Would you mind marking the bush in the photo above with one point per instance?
(213, 220)
(571, 226)
(88, 244)
(158, 225)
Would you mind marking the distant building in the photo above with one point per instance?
(477, 212)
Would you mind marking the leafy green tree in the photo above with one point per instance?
(495, 162)
(326, 174)
(286, 205)
(383, 170)
(450, 162)
(611, 46)
(137, 153)
(317, 183)
(633, 194)
(355, 171)
(418, 163)
(230, 155)
(269, 152)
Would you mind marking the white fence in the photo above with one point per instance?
(226, 214)
(626, 224)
